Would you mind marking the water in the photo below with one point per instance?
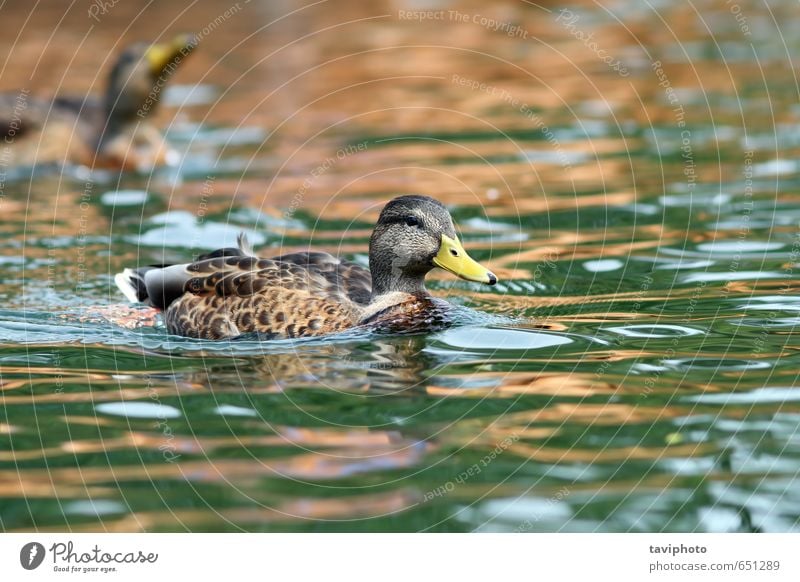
(634, 370)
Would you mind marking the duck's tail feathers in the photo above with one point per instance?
(157, 286)
(131, 283)
(160, 285)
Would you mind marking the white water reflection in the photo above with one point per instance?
(138, 410)
(654, 331)
(757, 396)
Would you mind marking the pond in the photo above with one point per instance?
(628, 171)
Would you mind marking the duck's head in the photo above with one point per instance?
(415, 234)
(139, 75)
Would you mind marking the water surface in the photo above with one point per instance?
(634, 370)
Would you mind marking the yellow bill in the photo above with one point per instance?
(452, 257)
(160, 55)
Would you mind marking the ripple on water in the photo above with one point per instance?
(766, 507)
(724, 276)
(186, 95)
(767, 323)
(556, 157)
(715, 365)
(729, 249)
(517, 513)
(767, 395)
(726, 462)
(775, 168)
(688, 466)
(124, 198)
(717, 519)
(694, 199)
(139, 410)
(603, 265)
(482, 224)
(735, 246)
(218, 136)
(772, 303)
(181, 228)
(654, 331)
(478, 339)
(230, 410)
(94, 507)
(682, 265)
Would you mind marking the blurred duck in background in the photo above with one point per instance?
(112, 132)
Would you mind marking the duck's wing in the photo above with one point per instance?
(83, 106)
(160, 285)
(22, 114)
(285, 297)
(232, 291)
(89, 111)
(347, 277)
(319, 274)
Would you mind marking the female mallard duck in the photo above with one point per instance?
(232, 291)
(111, 132)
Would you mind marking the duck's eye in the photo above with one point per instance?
(412, 221)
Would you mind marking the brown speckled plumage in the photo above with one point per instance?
(232, 291)
(302, 294)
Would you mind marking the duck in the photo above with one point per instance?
(233, 292)
(110, 133)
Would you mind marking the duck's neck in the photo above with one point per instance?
(131, 95)
(122, 109)
(122, 112)
(388, 278)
